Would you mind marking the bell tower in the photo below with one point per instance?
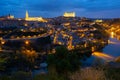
(27, 15)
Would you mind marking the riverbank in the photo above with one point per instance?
(109, 53)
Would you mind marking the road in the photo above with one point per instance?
(29, 38)
(9, 51)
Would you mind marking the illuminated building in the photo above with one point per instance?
(70, 46)
(112, 34)
(55, 38)
(69, 14)
(27, 18)
(93, 49)
(66, 24)
(7, 17)
(98, 21)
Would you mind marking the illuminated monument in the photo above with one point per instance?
(27, 18)
(69, 14)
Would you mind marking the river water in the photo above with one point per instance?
(113, 48)
(109, 53)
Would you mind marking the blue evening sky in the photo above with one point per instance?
(53, 8)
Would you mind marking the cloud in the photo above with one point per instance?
(57, 7)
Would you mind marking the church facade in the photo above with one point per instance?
(27, 18)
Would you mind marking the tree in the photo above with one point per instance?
(89, 74)
(20, 75)
(2, 64)
(63, 60)
(29, 56)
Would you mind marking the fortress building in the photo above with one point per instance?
(98, 21)
(69, 14)
(27, 18)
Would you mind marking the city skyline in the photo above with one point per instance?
(53, 8)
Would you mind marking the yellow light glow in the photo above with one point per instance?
(1, 38)
(29, 52)
(27, 42)
(112, 34)
(98, 21)
(2, 42)
(103, 56)
(111, 42)
(27, 18)
(70, 46)
(53, 51)
(93, 49)
(69, 14)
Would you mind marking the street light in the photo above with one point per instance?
(27, 42)
(2, 42)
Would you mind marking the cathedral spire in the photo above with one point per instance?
(27, 15)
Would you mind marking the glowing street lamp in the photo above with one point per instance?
(2, 42)
(27, 42)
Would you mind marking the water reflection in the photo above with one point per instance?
(109, 52)
(103, 56)
(113, 49)
(111, 42)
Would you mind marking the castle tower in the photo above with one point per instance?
(27, 15)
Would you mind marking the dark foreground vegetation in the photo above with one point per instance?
(63, 65)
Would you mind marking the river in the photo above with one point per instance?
(109, 53)
(113, 49)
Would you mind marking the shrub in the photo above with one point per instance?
(88, 74)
